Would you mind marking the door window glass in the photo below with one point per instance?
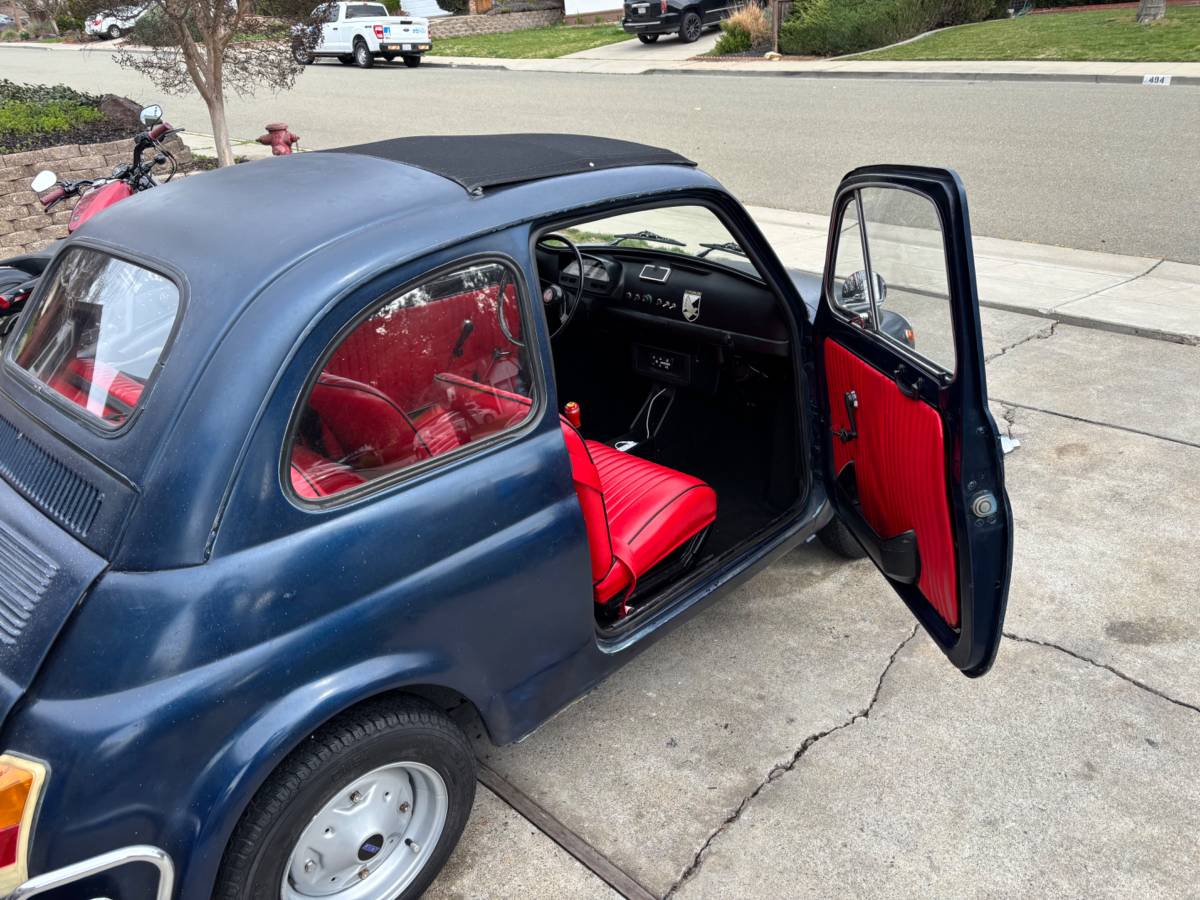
(904, 272)
(430, 371)
(850, 270)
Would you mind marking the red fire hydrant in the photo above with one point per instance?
(279, 139)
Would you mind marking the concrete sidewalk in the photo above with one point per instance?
(643, 60)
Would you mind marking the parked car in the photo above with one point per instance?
(265, 522)
(113, 23)
(359, 33)
(6, 21)
(651, 19)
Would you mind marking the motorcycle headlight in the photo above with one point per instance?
(21, 783)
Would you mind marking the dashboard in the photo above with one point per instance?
(702, 300)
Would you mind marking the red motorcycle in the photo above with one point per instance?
(19, 275)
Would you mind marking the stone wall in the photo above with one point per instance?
(24, 225)
(457, 26)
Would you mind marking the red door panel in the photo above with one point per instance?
(899, 466)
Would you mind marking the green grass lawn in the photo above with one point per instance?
(532, 43)
(1100, 35)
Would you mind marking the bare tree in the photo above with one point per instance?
(1151, 10)
(213, 46)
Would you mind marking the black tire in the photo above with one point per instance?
(412, 61)
(838, 538)
(302, 56)
(114, 32)
(362, 55)
(352, 744)
(691, 26)
(648, 38)
(346, 59)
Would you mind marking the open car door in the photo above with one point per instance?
(912, 455)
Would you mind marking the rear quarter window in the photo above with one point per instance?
(98, 333)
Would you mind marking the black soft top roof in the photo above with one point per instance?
(478, 162)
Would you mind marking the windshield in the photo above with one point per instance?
(98, 332)
(365, 10)
(690, 230)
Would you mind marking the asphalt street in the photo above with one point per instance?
(1098, 167)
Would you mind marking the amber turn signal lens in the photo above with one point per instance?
(15, 787)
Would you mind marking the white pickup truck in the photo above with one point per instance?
(359, 33)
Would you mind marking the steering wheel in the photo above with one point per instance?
(554, 298)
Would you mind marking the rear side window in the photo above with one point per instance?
(98, 333)
(435, 369)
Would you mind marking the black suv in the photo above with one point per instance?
(649, 19)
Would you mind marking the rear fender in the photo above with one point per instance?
(249, 757)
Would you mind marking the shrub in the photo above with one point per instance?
(68, 23)
(735, 38)
(11, 92)
(8, 36)
(829, 27)
(25, 35)
(747, 29)
(21, 117)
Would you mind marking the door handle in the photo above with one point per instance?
(908, 382)
(851, 400)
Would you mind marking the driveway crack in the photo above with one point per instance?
(781, 769)
(1141, 685)
(1039, 335)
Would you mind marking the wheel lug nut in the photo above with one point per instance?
(403, 807)
(363, 873)
(356, 797)
(309, 865)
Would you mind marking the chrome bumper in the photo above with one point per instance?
(141, 853)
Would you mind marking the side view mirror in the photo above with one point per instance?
(43, 181)
(151, 115)
(854, 289)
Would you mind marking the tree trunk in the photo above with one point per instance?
(216, 114)
(1151, 10)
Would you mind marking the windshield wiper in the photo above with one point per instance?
(727, 247)
(645, 236)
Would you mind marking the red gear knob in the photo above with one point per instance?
(572, 412)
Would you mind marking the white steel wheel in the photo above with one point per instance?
(373, 837)
(368, 807)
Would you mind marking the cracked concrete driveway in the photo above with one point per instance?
(800, 739)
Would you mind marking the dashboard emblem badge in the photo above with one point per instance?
(691, 305)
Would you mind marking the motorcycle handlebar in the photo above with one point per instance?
(53, 196)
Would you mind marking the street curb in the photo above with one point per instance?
(1059, 77)
(1051, 315)
(1062, 77)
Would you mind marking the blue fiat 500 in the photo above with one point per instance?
(479, 422)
